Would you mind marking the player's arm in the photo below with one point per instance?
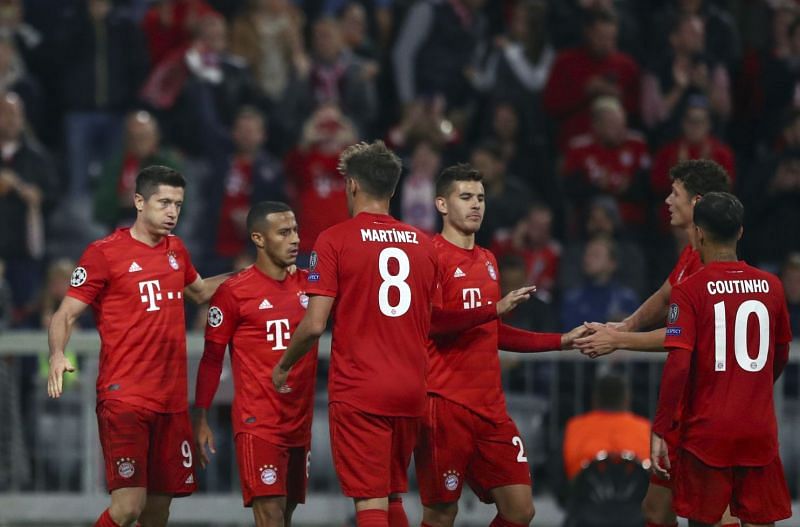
(57, 337)
(208, 376)
(604, 339)
(202, 289)
(450, 321)
(673, 385)
(521, 341)
(305, 336)
(780, 361)
(651, 313)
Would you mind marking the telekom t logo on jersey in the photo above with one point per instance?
(151, 294)
(278, 332)
(471, 297)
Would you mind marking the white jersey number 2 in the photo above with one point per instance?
(397, 281)
(749, 307)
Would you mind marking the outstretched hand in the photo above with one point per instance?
(601, 340)
(568, 339)
(514, 298)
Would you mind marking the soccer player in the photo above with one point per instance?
(255, 313)
(135, 280)
(728, 337)
(378, 277)
(690, 181)
(467, 434)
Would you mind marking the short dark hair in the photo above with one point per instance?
(376, 168)
(720, 215)
(599, 16)
(491, 147)
(701, 176)
(259, 212)
(451, 174)
(149, 178)
(250, 111)
(610, 393)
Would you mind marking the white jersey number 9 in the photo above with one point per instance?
(394, 280)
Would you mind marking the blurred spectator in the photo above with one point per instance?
(315, 183)
(242, 178)
(781, 82)
(533, 315)
(417, 190)
(696, 142)
(687, 71)
(600, 298)
(54, 290)
(27, 192)
(29, 41)
(611, 160)
(14, 77)
(436, 44)
(603, 219)
(200, 89)
(565, 17)
(106, 63)
(423, 120)
(268, 36)
(339, 77)
(532, 239)
(507, 198)
(594, 69)
(610, 427)
(113, 197)
(355, 33)
(790, 276)
(170, 25)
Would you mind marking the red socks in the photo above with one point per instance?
(651, 524)
(105, 520)
(502, 522)
(372, 518)
(397, 515)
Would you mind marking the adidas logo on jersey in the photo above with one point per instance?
(189, 480)
(265, 304)
(459, 273)
(134, 267)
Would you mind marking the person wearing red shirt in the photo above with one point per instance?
(610, 160)
(379, 278)
(691, 180)
(272, 430)
(695, 143)
(135, 280)
(467, 434)
(728, 338)
(581, 74)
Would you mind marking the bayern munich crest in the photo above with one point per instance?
(303, 297)
(214, 316)
(78, 277)
(173, 262)
(492, 272)
(126, 467)
(451, 480)
(269, 474)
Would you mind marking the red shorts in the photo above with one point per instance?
(371, 453)
(671, 439)
(143, 448)
(456, 444)
(266, 469)
(755, 494)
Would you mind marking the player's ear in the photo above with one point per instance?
(441, 205)
(258, 239)
(138, 201)
(739, 236)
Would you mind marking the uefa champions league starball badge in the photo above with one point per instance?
(78, 277)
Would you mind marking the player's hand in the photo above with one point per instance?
(279, 377)
(59, 364)
(514, 298)
(659, 456)
(601, 340)
(568, 339)
(203, 438)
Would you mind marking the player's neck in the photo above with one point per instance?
(691, 235)
(141, 234)
(458, 238)
(270, 268)
(370, 205)
(716, 253)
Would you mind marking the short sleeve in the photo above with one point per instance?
(90, 276)
(681, 321)
(223, 316)
(323, 268)
(190, 274)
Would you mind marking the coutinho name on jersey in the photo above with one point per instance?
(388, 236)
(721, 287)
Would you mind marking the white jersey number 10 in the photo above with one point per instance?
(749, 307)
(397, 281)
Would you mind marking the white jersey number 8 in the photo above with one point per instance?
(394, 280)
(747, 363)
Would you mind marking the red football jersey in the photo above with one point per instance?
(689, 262)
(136, 292)
(383, 275)
(724, 323)
(465, 368)
(257, 316)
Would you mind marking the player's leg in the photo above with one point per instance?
(397, 514)
(156, 510)
(124, 437)
(499, 472)
(298, 470)
(291, 506)
(728, 519)
(439, 514)
(404, 438)
(265, 476)
(269, 511)
(657, 506)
